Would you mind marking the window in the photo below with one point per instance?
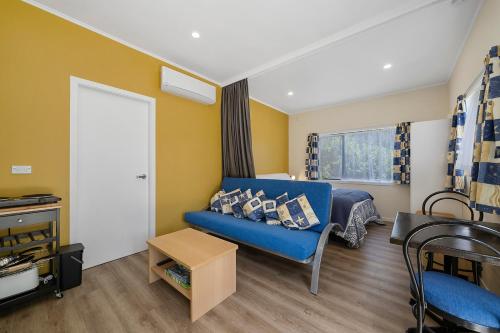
(360, 156)
(464, 157)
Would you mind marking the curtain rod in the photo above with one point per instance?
(356, 130)
(478, 77)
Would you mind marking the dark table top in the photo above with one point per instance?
(405, 222)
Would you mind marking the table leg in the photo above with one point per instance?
(154, 257)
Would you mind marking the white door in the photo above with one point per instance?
(110, 171)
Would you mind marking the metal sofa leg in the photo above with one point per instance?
(323, 240)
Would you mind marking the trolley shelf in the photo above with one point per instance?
(24, 240)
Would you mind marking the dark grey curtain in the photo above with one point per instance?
(237, 156)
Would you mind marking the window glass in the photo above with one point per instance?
(464, 158)
(361, 155)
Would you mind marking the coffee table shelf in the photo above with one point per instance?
(211, 261)
(160, 271)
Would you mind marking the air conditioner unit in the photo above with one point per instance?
(186, 86)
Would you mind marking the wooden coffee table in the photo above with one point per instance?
(211, 261)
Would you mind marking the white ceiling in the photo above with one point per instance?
(325, 51)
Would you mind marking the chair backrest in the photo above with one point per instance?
(451, 195)
(318, 194)
(434, 231)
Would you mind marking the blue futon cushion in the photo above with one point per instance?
(297, 244)
(462, 299)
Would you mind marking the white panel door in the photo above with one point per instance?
(110, 183)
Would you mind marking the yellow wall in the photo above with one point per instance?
(39, 52)
(269, 138)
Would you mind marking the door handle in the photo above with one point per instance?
(142, 176)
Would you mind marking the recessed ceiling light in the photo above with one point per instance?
(387, 66)
(195, 34)
(290, 93)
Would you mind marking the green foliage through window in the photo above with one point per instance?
(363, 155)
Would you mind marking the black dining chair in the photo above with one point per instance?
(454, 302)
(432, 264)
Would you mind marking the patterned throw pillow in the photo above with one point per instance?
(237, 203)
(297, 214)
(225, 200)
(253, 209)
(282, 199)
(215, 203)
(261, 195)
(245, 196)
(272, 216)
(237, 208)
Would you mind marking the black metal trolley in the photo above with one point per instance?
(27, 227)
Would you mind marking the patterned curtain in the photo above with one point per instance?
(485, 184)
(312, 161)
(401, 154)
(455, 179)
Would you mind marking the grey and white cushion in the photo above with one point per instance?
(297, 214)
(215, 202)
(225, 200)
(253, 209)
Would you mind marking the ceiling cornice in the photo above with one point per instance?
(368, 98)
(116, 39)
(332, 39)
(269, 105)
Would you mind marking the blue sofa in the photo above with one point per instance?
(304, 246)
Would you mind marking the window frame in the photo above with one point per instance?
(352, 181)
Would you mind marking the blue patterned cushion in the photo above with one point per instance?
(282, 199)
(261, 195)
(215, 203)
(245, 196)
(272, 217)
(297, 214)
(225, 201)
(237, 203)
(253, 209)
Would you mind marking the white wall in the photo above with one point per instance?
(419, 105)
(429, 147)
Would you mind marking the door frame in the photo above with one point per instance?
(75, 84)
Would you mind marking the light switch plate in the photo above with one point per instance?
(21, 169)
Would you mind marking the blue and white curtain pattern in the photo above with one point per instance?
(401, 154)
(312, 161)
(485, 183)
(455, 179)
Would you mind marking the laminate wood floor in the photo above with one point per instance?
(363, 290)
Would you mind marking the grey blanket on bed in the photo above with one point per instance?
(351, 210)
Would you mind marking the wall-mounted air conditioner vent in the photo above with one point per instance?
(186, 86)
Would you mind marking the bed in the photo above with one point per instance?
(352, 210)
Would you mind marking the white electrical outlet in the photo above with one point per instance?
(21, 169)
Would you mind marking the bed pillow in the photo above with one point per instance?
(253, 209)
(225, 200)
(215, 202)
(282, 199)
(237, 203)
(270, 212)
(297, 214)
